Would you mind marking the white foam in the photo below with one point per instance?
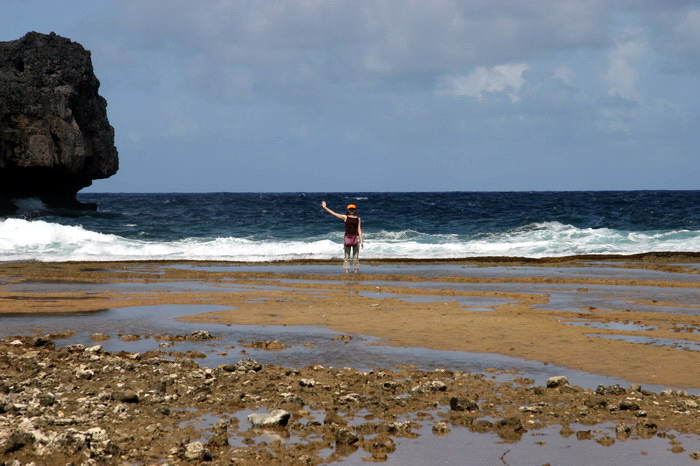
(22, 240)
(29, 204)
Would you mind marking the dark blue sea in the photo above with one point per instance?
(266, 227)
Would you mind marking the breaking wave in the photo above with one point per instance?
(23, 240)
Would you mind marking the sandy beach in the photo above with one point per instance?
(635, 319)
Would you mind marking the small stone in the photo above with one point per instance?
(432, 386)
(627, 405)
(595, 402)
(557, 381)
(695, 455)
(611, 390)
(334, 418)
(510, 428)
(441, 428)
(130, 337)
(42, 342)
(688, 404)
(622, 428)
(47, 399)
(76, 348)
(398, 426)
(195, 451)
(345, 436)
(126, 396)
(270, 345)
(463, 404)
(200, 335)
(482, 426)
(647, 429)
(622, 431)
(307, 382)
(349, 398)
(566, 431)
(248, 365)
(83, 373)
(219, 439)
(276, 418)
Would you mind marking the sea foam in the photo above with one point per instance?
(22, 240)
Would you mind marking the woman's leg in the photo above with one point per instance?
(356, 257)
(346, 260)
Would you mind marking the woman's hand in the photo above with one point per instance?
(323, 204)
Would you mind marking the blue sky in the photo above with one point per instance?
(379, 95)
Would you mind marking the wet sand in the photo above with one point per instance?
(524, 325)
(583, 313)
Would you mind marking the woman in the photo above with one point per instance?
(353, 236)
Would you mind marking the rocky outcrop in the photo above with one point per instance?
(55, 138)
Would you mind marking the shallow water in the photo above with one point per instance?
(601, 271)
(563, 297)
(653, 341)
(151, 286)
(461, 446)
(308, 344)
(473, 303)
(625, 326)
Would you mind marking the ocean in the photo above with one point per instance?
(267, 227)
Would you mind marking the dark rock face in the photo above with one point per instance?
(54, 134)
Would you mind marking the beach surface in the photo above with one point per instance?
(632, 319)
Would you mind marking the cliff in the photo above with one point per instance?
(55, 138)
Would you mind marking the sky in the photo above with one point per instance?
(389, 95)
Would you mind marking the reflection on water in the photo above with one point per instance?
(564, 297)
(543, 446)
(549, 445)
(154, 286)
(653, 341)
(599, 270)
(474, 303)
(623, 326)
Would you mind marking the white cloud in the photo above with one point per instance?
(284, 42)
(687, 32)
(501, 78)
(622, 76)
(565, 74)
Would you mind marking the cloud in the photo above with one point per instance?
(286, 47)
(565, 74)
(501, 78)
(622, 76)
(686, 33)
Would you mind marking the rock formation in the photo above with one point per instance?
(54, 134)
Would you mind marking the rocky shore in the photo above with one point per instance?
(82, 405)
(55, 138)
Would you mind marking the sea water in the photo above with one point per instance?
(265, 227)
